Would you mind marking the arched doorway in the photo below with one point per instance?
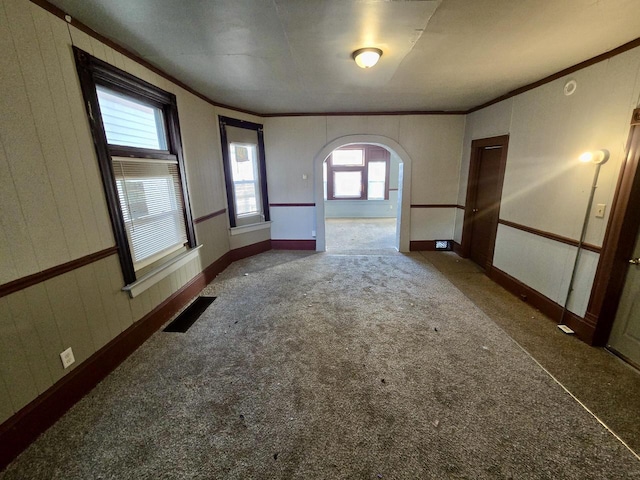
(404, 186)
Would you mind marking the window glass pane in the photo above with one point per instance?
(377, 175)
(375, 191)
(244, 170)
(347, 184)
(131, 123)
(150, 197)
(347, 157)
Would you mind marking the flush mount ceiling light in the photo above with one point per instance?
(367, 57)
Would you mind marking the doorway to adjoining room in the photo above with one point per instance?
(361, 199)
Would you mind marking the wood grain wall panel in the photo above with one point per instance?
(54, 207)
(81, 39)
(98, 49)
(7, 265)
(23, 151)
(6, 410)
(89, 294)
(103, 282)
(40, 85)
(118, 58)
(87, 161)
(36, 301)
(31, 341)
(69, 315)
(119, 298)
(108, 55)
(13, 362)
(18, 253)
(136, 308)
(67, 134)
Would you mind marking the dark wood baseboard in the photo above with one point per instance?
(457, 248)
(293, 244)
(425, 245)
(19, 431)
(249, 250)
(583, 329)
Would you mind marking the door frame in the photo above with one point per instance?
(619, 240)
(472, 189)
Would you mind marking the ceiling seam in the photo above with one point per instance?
(579, 66)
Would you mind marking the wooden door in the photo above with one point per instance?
(486, 206)
(482, 209)
(625, 334)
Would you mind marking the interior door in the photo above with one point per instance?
(486, 206)
(625, 334)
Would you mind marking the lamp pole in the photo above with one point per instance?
(599, 159)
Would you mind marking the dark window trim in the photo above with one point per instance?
(92, 72)
(262, 165)
(358, 168)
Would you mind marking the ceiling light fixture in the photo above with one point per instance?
(367, 57)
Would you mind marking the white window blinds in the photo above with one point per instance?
(152, 207)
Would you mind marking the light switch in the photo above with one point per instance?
(304, 176)
(600, 210)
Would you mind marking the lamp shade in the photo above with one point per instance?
(598, 157)
(367, 57)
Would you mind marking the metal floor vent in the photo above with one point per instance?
(183, 322)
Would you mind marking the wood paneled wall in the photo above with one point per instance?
(53, 207)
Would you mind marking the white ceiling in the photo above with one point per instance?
(277, 56)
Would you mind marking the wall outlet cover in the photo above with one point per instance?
(67, 358)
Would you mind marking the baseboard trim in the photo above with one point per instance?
(457, 248)
(293, 244)
(425, 246)
(582, 328)
(249, 250)
(19, 431)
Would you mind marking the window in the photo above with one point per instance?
(357, 172)
(246, 180)
(245, 171)
(136, 134)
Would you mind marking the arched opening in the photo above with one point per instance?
(403, 193)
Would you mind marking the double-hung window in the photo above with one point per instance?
(136, 134)
(358, 172)
(245, 171)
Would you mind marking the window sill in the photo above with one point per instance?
(250, 228)
(150, 279)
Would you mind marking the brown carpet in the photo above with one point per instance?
(333, 367)
(604, 383)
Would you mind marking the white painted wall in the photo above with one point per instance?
(545, 186)
(432, 143)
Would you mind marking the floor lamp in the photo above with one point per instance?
(598, 158)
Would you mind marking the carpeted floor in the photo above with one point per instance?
(333, 367)
(360, 235)
(608, 386)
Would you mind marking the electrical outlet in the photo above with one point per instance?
(600, 210)
(304, 176)
(67, 358)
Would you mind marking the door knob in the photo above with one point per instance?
(635, 261)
